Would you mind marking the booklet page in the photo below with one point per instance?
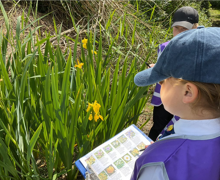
(115, 159)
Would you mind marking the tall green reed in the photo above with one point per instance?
(45, 97)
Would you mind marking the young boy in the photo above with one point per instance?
(185, 18)
(189, 73)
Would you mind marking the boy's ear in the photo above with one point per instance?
(190, 93)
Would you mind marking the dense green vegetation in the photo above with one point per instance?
(63, 92)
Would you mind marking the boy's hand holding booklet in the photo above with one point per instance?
(114, 159)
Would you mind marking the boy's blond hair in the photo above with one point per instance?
(208, 96)
(195, 26)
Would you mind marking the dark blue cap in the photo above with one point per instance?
(185, 16)
(192, 55)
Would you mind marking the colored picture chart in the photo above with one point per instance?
(115, 159)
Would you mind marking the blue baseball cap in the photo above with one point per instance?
(192, 55)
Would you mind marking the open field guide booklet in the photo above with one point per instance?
(114, 159)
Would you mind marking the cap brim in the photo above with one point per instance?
(148, 77)
(183, 24)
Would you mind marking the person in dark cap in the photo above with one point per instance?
(185, 18)
(188, 72)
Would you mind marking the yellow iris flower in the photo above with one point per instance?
(94, 52)
(79, 65)
(85, 41)
(95, 106)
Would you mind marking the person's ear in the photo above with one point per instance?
(190, 93)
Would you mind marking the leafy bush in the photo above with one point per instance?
(205, 6)
(215, 4)
(164, 10)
